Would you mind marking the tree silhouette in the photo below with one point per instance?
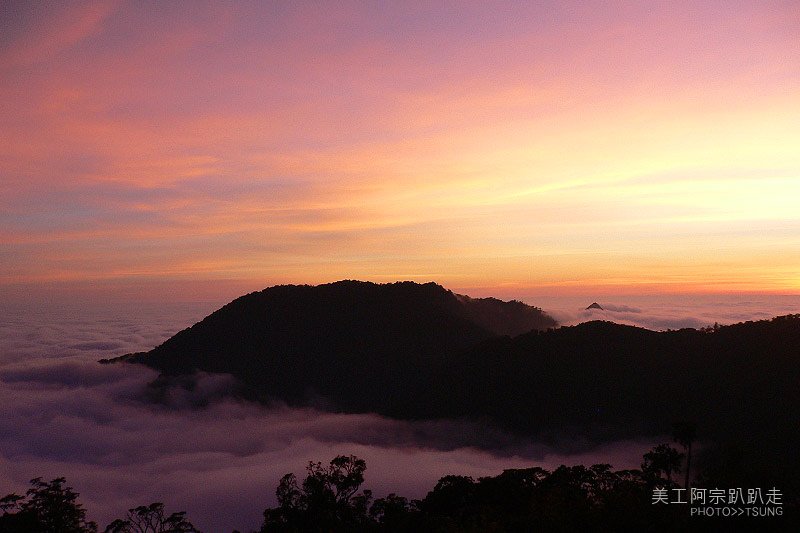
(326, 500)
(392, 512)
(685, 433)
(151, 519)
(663, 458)
(10, 502)
(47, 507)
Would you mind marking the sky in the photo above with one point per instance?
(190, 150)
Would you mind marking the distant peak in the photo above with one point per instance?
(595, 305)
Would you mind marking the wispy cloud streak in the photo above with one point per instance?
(252, 141)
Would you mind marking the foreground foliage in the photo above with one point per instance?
(329, 499)
(151, 519)
(47, 507)
(51, 507)
(568, 499)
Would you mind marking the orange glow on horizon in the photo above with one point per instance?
(557, 147)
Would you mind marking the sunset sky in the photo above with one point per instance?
(587, 147)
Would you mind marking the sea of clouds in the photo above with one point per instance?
(63, 414)
(664, 312)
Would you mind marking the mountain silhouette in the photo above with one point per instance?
(595, 305)
(297, 343)
(413, 351)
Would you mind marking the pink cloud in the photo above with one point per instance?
(452, 131)
(48, 29)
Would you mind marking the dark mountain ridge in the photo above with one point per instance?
(295, 342)
(415, 351)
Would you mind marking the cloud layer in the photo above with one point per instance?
(662, 312)
(485, 143)
(61, 413)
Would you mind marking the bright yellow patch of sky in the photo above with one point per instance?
(574, 148)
